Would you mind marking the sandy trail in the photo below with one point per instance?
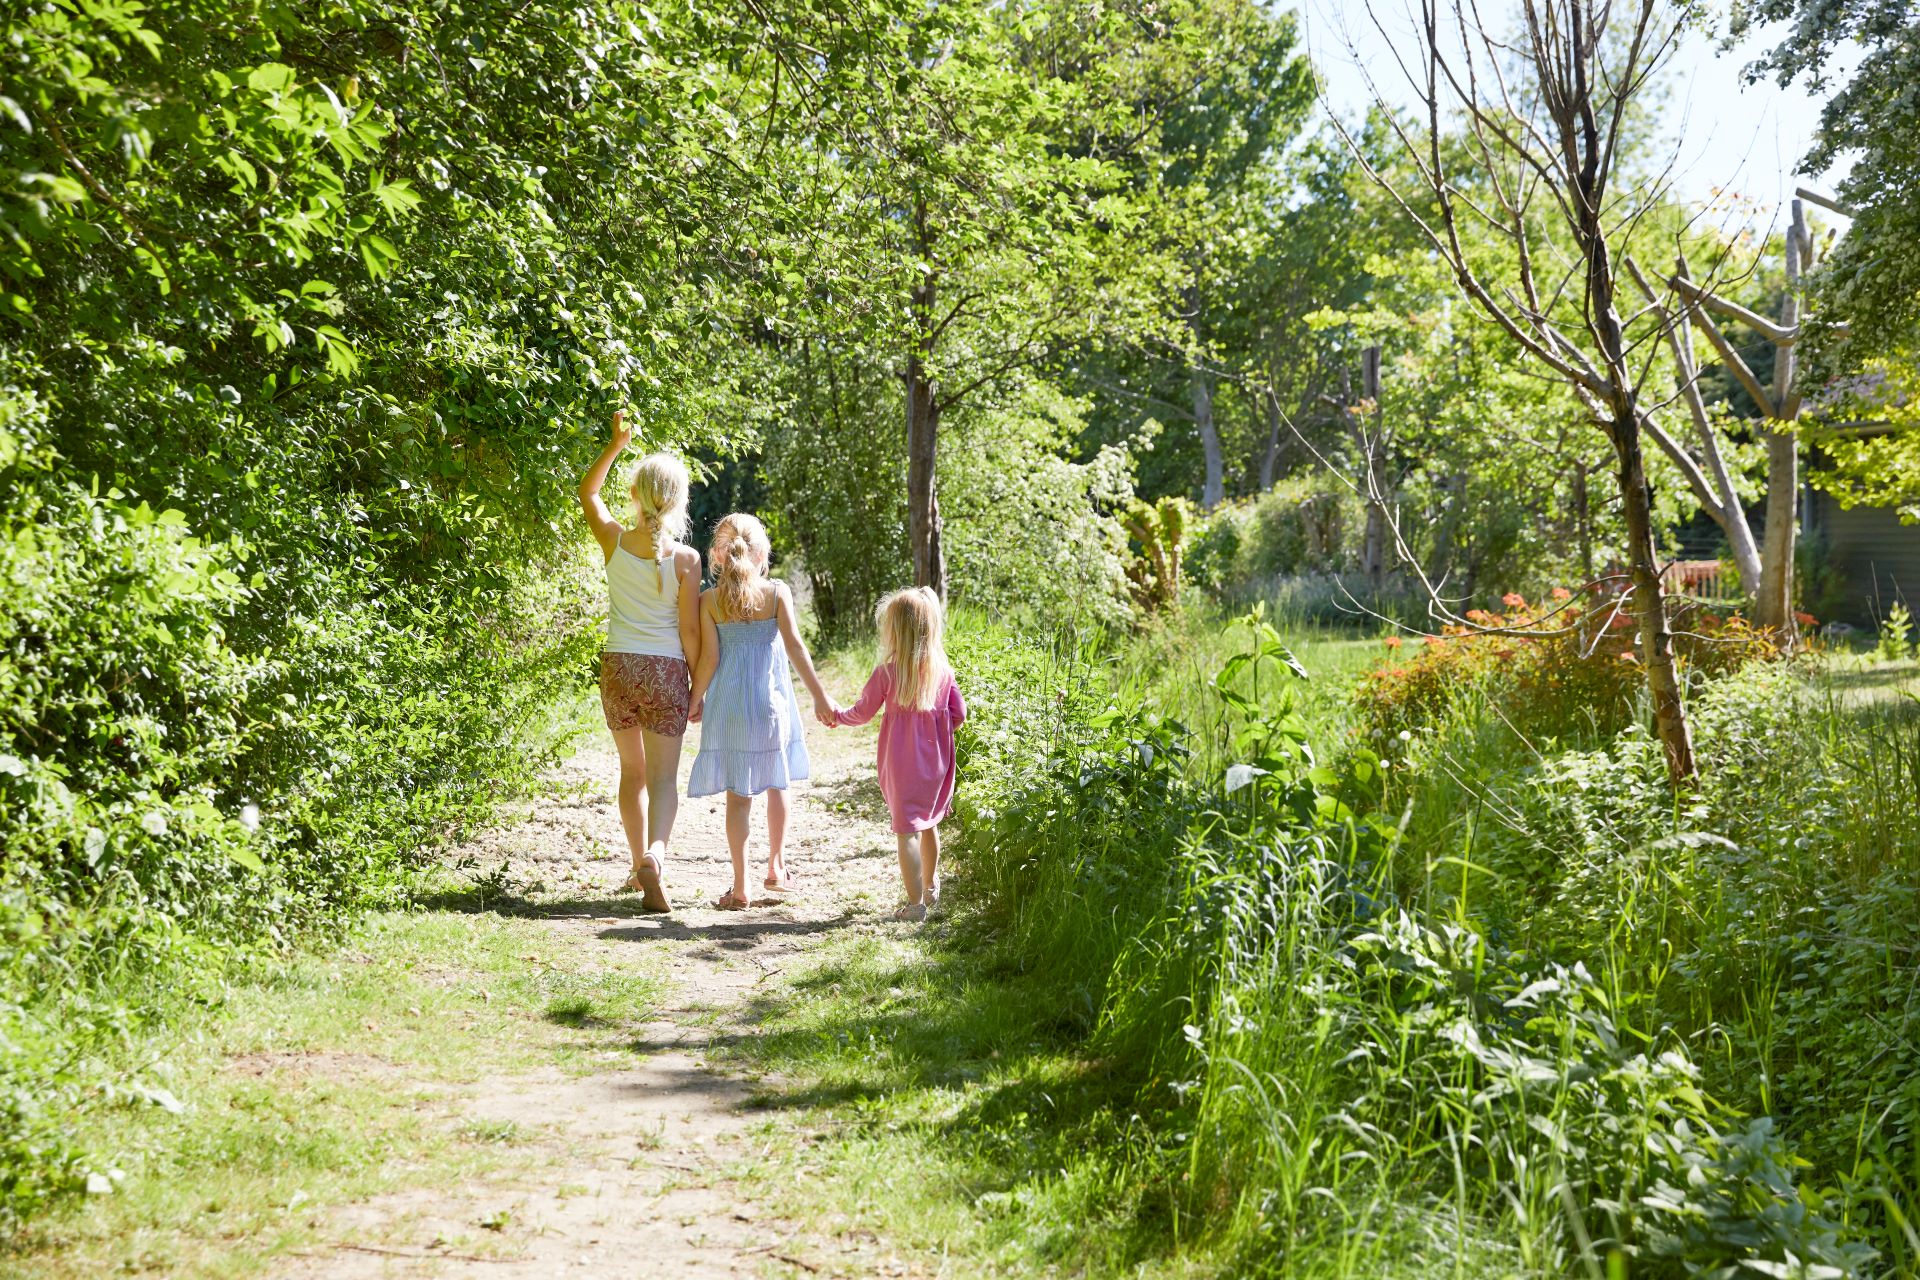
(630, 1174)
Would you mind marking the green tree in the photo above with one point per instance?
(1873, 280)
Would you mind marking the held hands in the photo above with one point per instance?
(694, 709)
(827, 711)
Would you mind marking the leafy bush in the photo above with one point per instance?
(170, 798)
(1158, 531)
(1338, 1060)
(1895, 641)
(1029, 533)
(1301, 526)
(1551, 669)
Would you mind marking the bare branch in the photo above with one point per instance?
(1778, 336)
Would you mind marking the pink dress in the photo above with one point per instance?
(916, 749)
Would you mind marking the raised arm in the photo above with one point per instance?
(709, 659)
(797, 654)
(606, 530)
(872, 698)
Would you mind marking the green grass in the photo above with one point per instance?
(325, 1077)
(1170, 665)
(950, 1110)
(1164, 1035)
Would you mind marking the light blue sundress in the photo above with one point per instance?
(751, 734)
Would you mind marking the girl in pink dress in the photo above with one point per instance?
(923, 707)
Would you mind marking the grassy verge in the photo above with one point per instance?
(923, 1095)
(1544, 1017)
(328, 1076)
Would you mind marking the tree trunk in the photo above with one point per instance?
(1650, 606)
(1373, 549)
(1582, 519)
(1213, 488)
(1447, 530)
(1636, 500)
(1773, 601)
(923, 500)
(1270, 460)
(923, 429)
(1727, 512)
(1774, 607)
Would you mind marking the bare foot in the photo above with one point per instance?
(912, 913)
(653, 892)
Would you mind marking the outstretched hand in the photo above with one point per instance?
(622, 433)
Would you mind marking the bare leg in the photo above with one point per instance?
(663, 788)
(739, 817)
(777, 838)
(633, 804)
(930, 864)
(910, 869)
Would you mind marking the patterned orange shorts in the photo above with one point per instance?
(645, 690)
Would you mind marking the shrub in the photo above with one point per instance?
(1550, 669)
(1029, 533)
(1214, 545)
(1327, 1055)
(196, 762)
(1158, 531)
(1300, 526)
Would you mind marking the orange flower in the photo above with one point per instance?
(1514, 600)
(1561, 593)
(1805, 619)
(1394, 642)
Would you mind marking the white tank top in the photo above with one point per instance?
(643, 605)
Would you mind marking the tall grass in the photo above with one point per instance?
(1464, 1002)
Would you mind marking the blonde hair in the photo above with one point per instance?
(659, 492)
(910, 623)
(739, 557)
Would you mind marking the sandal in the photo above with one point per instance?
(912, 913)
(731, 901)
(653, 895)
(784, 886)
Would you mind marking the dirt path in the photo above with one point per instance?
(628, 1175)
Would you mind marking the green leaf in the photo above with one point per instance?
(270, 77)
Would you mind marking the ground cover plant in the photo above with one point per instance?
(1232, 988)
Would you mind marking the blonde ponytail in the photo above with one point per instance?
(739, 557)
(911, 623)
(660, 499)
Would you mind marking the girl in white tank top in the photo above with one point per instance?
(653, 634)
(643, 605)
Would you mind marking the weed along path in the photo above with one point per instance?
(626, 1152)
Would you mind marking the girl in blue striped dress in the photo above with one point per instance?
(751, 736)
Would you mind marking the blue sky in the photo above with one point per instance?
(1729, 136)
